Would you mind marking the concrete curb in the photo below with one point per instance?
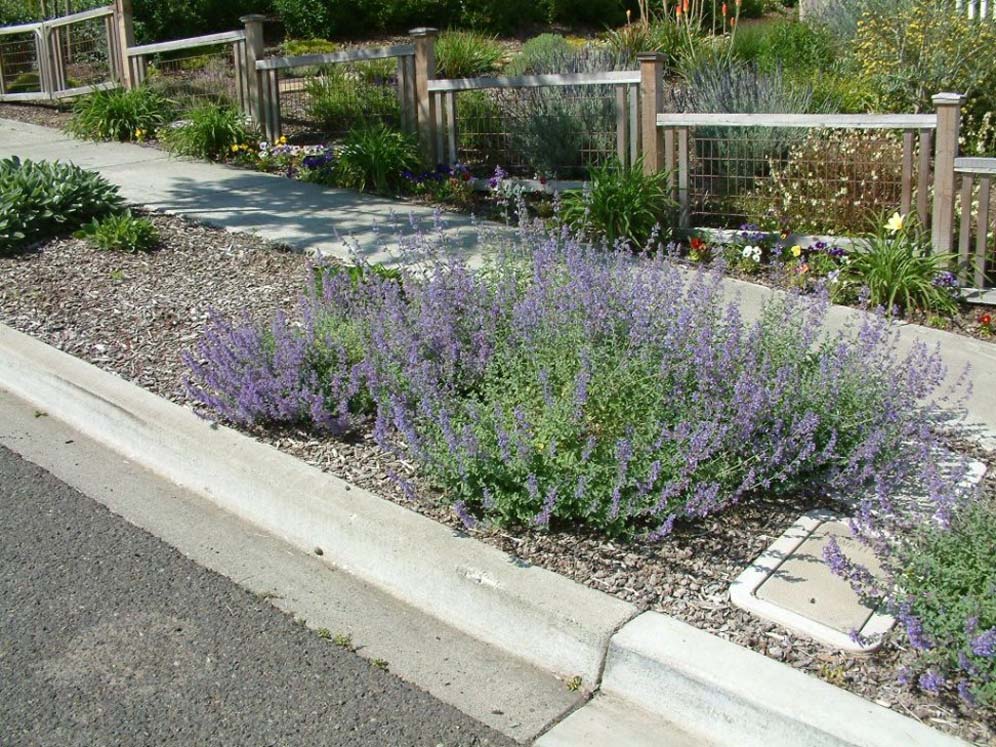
(534, 614)
(704, 686)
(733, 696)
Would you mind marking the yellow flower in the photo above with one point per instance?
(235, 149)
(139, 134)
(796, 251)
(282, 140)
(895, 223)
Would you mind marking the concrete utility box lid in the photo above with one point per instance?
(790, 584)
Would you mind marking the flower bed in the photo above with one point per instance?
(135, 314)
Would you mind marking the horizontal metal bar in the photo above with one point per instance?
(23, 28)
(84, 90)
(85, 15)
(975, 165)
(226, 37)
(819, 121)
(348, 55)
(536, 81)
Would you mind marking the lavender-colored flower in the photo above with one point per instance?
(985, 644)
(931, 681)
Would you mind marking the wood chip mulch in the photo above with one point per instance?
(134, 315)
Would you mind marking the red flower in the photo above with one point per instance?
(697, 243)
(985, 320)
(466, 176)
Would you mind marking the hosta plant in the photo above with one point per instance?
(40, 199)
(123, 232)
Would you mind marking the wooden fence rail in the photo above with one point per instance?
(974, 172)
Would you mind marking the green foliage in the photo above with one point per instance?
(120, 114)
(156, 20)
(374, 156)
(537, 52)
(921, 48)
(676, 42)
(899, 270)
(621, 203)
(467, 54)
(786, 45)
(948, 583)
(40, 199)
(121, 232)
(598, 13)
(299, 47)
(210, 132)
(304, 18)
(24, 83)
(340, 98)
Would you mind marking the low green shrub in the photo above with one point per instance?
(786, 44)
(40, 199)
(120, 114)
(467, 54)
(299, 47)
(899, 270)
(340, 99)
(921, 48)
(536, 54)
(947, 602)
(24, 83)
(209, 131)
(121, 232)
(621, 203)
(374, 157)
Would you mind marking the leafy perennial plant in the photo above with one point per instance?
(566, 385)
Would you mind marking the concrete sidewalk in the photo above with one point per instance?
(306, 217)
(309, 218)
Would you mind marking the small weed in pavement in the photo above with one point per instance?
(380, 664)
(343, 640)
(574, 683)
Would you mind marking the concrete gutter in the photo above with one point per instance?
(696, 688)
(535, 614)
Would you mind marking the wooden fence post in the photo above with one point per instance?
(254, 77)
(945, 151)
(425, 70)
(125, 32)
(651, 104)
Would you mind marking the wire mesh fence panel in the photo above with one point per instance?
(192, 77)
(20, 71)
(810, 180)
(323, 102)
(84, 53)
(560, 132)
(976, 221)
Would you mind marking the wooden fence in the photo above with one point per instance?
(60, 58)
(931, 180)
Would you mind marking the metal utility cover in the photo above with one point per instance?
(791, 584)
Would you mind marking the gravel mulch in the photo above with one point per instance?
(135, 314)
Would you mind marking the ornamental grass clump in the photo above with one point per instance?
(562, 385)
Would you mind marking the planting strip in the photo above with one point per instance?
(697, 688)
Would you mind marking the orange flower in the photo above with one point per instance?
(724, 10)
(733, 21)
(684, 7)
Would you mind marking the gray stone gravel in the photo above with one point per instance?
(133, 316)
(108, 636)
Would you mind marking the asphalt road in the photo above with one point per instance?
(108, 636)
